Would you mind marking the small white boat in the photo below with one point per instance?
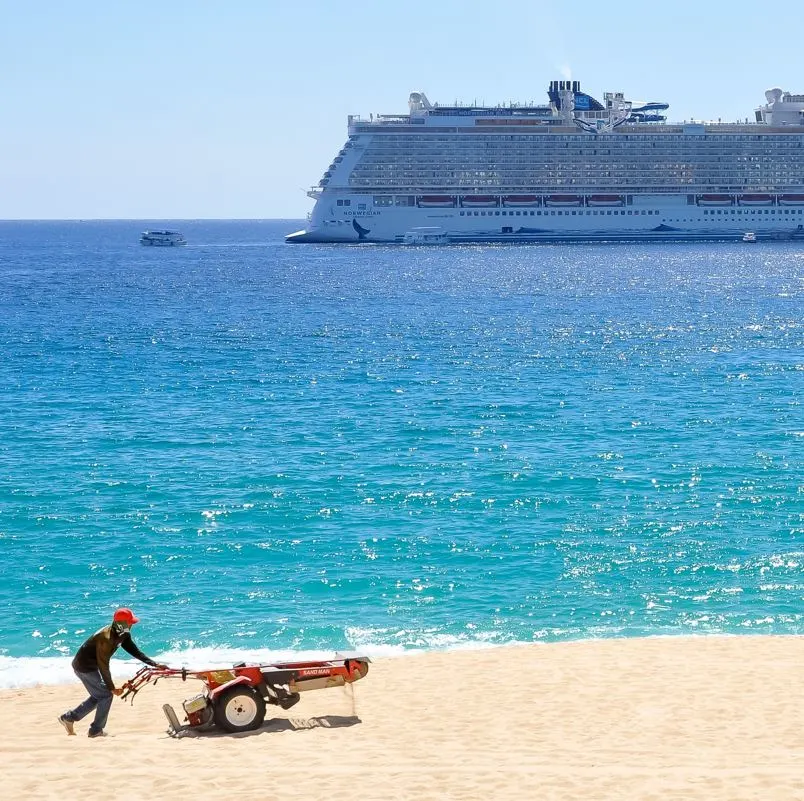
(162, 239)
(749, 236)
(426, 235)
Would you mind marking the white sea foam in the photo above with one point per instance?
(28, 671)
(38, 670)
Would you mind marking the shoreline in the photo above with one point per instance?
(704, 716)
(31, 668)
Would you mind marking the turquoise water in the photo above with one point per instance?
(264, 448)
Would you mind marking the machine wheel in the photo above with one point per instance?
(239, 708)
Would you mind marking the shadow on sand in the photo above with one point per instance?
(282, 724)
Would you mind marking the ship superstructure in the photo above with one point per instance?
(575, 169)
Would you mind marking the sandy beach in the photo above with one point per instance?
(660, 718)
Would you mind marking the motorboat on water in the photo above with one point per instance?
(162, 239)
(749, 236)
(426, 235)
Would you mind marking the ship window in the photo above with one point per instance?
(347, 202)
(539, 213)
(461, 213)
(381, 200)
(496, 213)
(476, 213)
(505, 213)
(361, 206)
(340, 202)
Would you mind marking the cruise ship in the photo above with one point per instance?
(573, 169)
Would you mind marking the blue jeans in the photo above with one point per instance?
(100, 699)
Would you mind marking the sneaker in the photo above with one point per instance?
(97, 734)
(67, 723)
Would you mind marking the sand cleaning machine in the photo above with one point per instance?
(235, 699)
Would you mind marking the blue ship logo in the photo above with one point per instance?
(361, 231)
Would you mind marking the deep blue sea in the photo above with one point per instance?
(265, 448)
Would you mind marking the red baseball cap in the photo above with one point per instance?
(125, 615)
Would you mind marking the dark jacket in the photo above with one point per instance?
(96, 652)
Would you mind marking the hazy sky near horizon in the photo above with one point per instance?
(199, 109)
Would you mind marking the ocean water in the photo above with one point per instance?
(267, 449)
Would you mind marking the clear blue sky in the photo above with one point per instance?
(182, 109)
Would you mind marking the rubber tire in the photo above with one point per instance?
(228, 696)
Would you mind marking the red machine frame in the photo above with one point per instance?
(235, 699)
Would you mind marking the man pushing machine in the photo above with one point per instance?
(91, 665)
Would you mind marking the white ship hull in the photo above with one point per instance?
(162, 239)
(573, 170)
(646, 218)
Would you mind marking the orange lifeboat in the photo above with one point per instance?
(563, 200)
(521, 200)
(435, 201)
(715, 200)
(480, 201)
(755, 200)
(605, 200)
